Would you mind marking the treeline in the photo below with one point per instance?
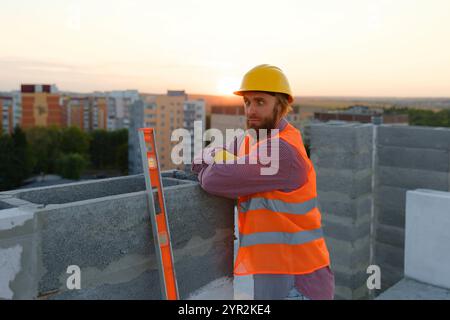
(421, 117)
(430, 118)
(63, 151)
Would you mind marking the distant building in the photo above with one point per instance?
(41, 106)
(119, 103)
(100, 113)
(10, 110)
(195, 110)
(137, 121)
(165, 113)
(112, 121)
(169, 116)
(87, 112)
(362, 114)
(98, 110)
(77, 112)
(176, 93)
(361, 109)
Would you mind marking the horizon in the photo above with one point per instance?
(230, 96)
(351, 48)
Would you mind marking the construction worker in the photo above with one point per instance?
(281, 242)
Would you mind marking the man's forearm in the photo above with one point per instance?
(231, 180)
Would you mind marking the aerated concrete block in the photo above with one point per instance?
(389, 255)
(355, 210)
(346, 232)
(395, 218)
(427, 254)
(326, 158)
(92, 234)
(413, 178)
(353, 260)
(414, 158)
(389, 276)
(414, 137)
(352, 281)
(391, 235)
(350, 182)
(390, 198)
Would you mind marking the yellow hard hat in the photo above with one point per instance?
(265, 78)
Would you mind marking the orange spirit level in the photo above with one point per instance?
(158, 214)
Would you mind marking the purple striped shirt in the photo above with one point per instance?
(233, 180)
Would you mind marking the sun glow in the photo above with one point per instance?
(227, 85)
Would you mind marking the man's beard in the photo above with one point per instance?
(268, 123)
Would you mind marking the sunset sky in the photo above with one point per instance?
(329, 48)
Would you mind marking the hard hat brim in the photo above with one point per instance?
(241, 93)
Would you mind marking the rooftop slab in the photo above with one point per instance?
(408, 289)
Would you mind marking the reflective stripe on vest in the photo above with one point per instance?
(279, 205)
(280, 237)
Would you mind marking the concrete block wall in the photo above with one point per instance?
(408, 157)
(103, 227)
(363, 174)
(342, 157)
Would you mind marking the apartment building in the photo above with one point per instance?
(165, 113)
(195, 113)
(41, 106)
(7, 114)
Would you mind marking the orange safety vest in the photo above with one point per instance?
(280, 232)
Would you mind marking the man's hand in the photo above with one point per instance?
(206, 156)
(223, 156)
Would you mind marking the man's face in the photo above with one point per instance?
(261, 110)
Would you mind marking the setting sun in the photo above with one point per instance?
(227, 85)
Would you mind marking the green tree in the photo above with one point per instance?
(22, 154)
(7, 167)
(73, 140)
(122, 158)
(99, 148)
(104, 148)
(70, 166)
(444, 117)
(45, 143)
(119, 143)
(15, 159)
(422, 117)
